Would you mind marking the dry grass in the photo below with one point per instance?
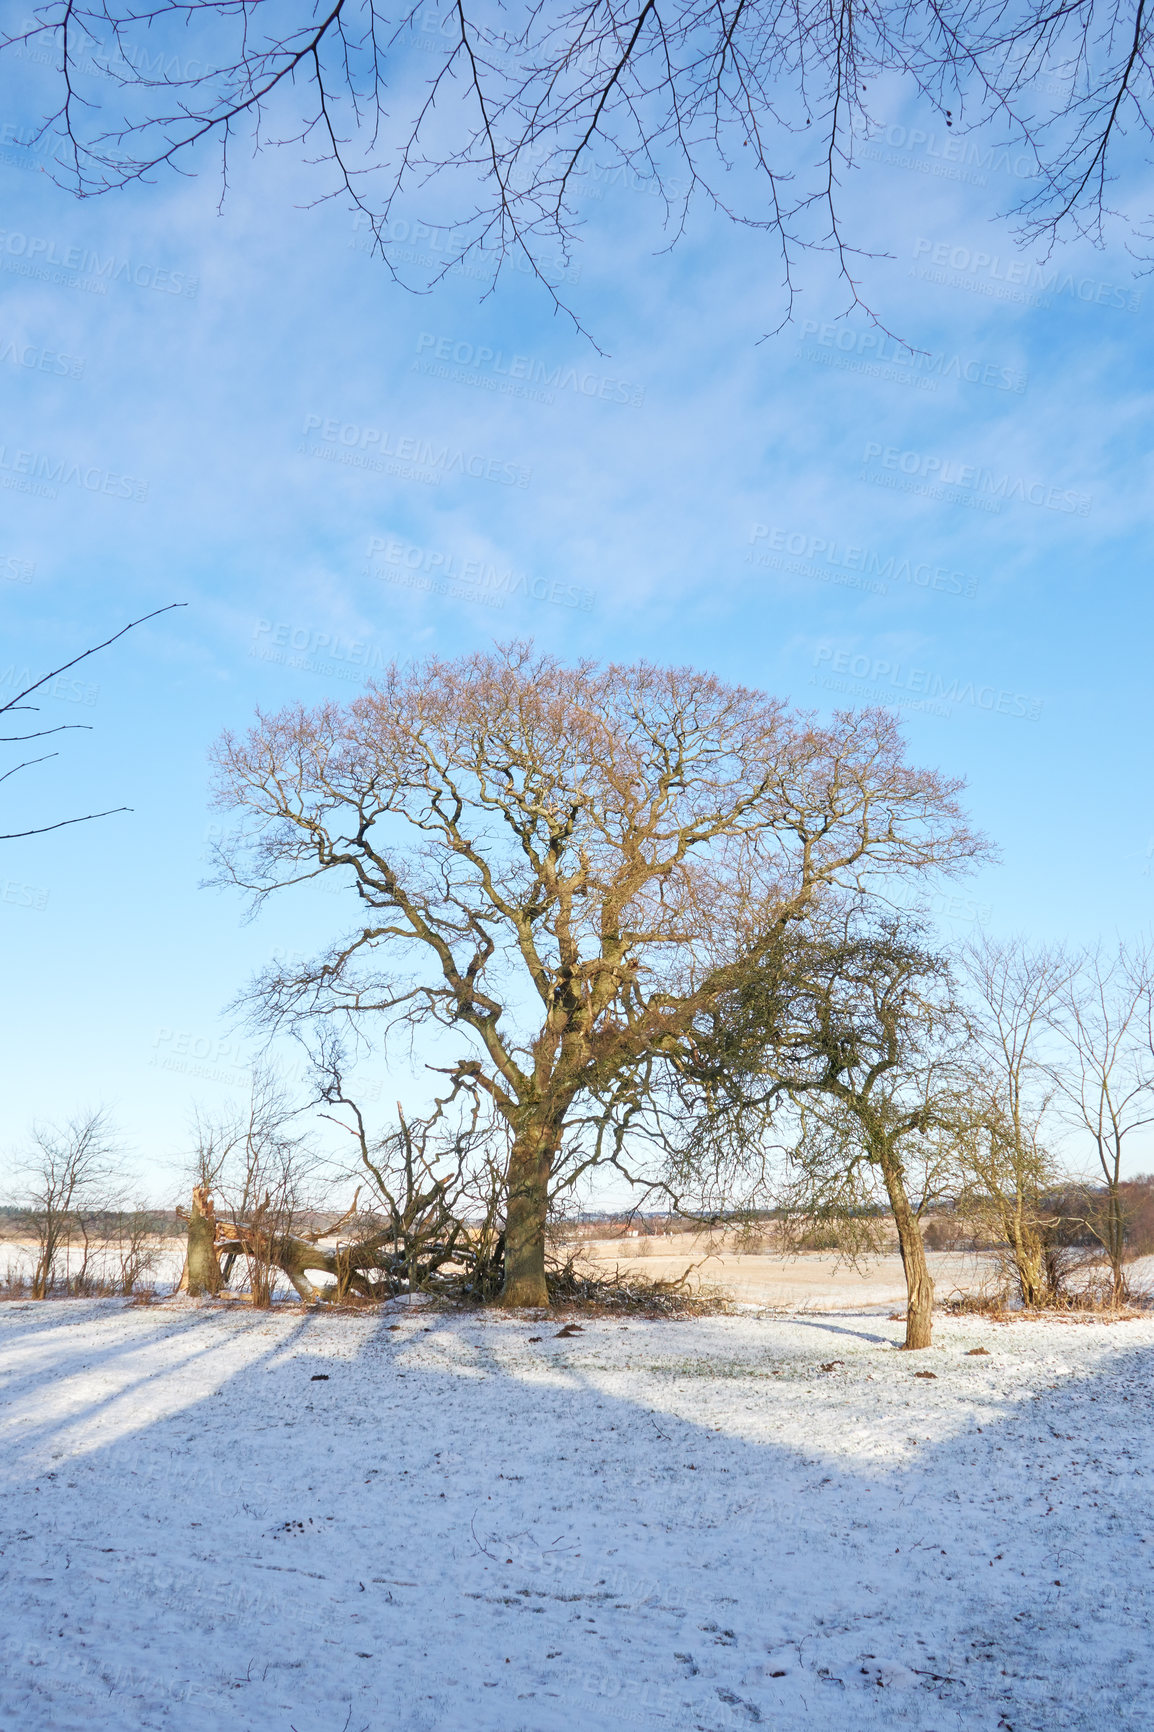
(17, 1288)
(16, 1283)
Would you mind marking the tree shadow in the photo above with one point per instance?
(840, 1329)
(47, 1331)
(443, 1526)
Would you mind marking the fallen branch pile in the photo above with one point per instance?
(425, 1249)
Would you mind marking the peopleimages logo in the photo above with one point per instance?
(518, 374)
(954, 906)
(875, 350)
(35, 254)
(316, 651)
(1021, 280)
(969, 482)
(413, 243)
(67, 691)
(890, 681)
(159, 64)
(405, 454)
(40, 360)
(473, 578)
(36, 473)
(23, 895)
(950, 147)
(877, 570)
(29, 148)
(203, 1055)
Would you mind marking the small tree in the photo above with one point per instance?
(268, 1197)
(564, 866)
(1005, 1184)
(133, 1246)
(855, 1029)
(1006, 1169)
(260, 1173)
(883, 1082)
(264, 1179)
(70, 1177)
(1105, 1075)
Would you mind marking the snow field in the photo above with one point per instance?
(215, 1518)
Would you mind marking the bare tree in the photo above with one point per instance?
(266, 1184)
(563, 865)
(1005, 1183)
(1105, 1075)
(259, 1172)
(17, 706)
(132, 1242)
(1007, 1169)
(70, 1178)
(757, 109)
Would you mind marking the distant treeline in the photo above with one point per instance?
(16, 1222)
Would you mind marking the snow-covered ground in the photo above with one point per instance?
(220, 1519)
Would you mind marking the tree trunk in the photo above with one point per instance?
(1030, 1266)
(919, 1283)
(527, 1207)
(1116, 1246)
(203, 1268)
(42, 1273)
(297, 1256)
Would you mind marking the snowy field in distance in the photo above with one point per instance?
(214, 1518)
(811, 1280)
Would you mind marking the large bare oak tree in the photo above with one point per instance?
(563, 866)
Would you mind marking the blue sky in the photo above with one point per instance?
(332, 472)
